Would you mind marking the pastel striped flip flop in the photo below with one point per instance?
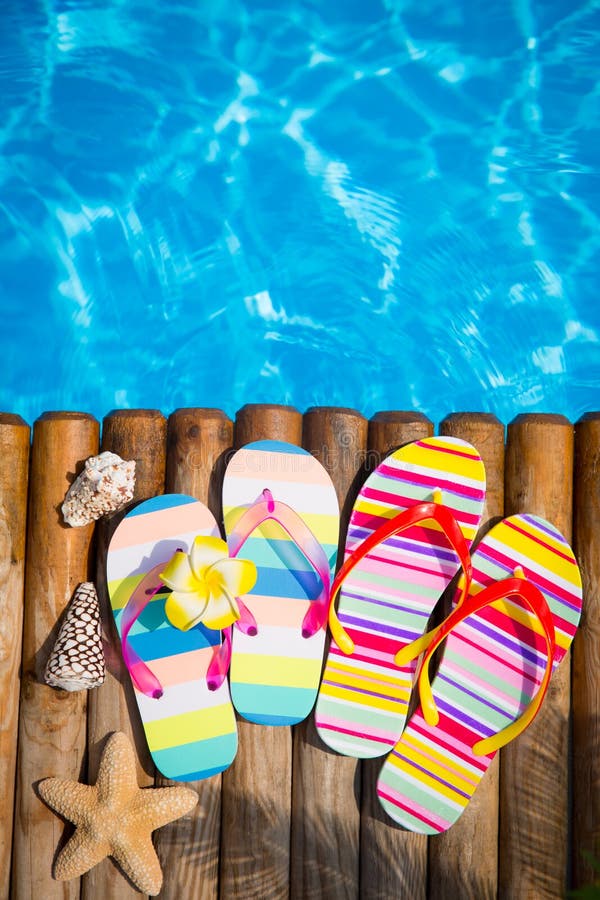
(190, 729)
(500, 649)
(398, 562)
(281, 511)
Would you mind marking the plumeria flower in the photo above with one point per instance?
(205, 584)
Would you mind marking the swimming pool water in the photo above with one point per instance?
(386, 205)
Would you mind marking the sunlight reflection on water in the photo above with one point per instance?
(383, 206)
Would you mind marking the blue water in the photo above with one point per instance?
(385, 205)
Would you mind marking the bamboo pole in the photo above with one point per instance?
(138, 434)
(393, 862)
(534, 824)
(463, 862)
(586, 655)
(52, 733)
(198, 441)
(255, 838)
(14, 475)
(326, 787)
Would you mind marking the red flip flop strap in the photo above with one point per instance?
(501, 590)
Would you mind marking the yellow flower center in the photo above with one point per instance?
(213, 581)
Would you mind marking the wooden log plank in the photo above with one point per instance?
(393, 862)
(463, 862)
(138, 434)
(256, 806)
(326, 786)
(534, 824)
(14, 476)
(52, 723)
(586, 655)
(198, 441)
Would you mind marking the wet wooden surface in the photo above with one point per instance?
(290, 818)
(586, 653)
(474, 838)
(326, 790)
(393, 861)
(52, 724)
(257, 788)
(139, 435)
(534, 779)
(198, 441)
(14, 480)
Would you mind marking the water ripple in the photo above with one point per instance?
(384, 205)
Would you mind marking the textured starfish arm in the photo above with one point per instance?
(68, 798)
(80, 854)
(137, 857)
(117, 777)
(159, 806)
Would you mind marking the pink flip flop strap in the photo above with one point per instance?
(219, 664)
(142, 676)
(268, 508)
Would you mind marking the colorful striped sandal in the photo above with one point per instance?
(281, 511)
(501, 646)
(412, 525)
(178, 672)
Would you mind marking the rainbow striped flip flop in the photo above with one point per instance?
(495, 662)
(388, 595)
(281, 511)
(191, 730)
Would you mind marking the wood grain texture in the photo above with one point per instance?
(198, 441)
(52, 723)
(586, 655)
(463, 862)
(534, 824)
(256, 793)
(138, 434)
(14, 477)
(326, 787)
(393, 862)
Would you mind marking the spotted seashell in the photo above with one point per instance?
(77, 660)
(104, 486)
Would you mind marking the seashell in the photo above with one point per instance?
(105, 485)
(77, 660)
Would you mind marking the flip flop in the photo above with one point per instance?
(412, 524)
(281, 511)
(500, 649)
(188, 720)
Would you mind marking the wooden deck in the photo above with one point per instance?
(289, 818)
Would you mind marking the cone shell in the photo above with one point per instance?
(105, 485)
(77, 660)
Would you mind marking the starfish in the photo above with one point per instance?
(115, 817)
